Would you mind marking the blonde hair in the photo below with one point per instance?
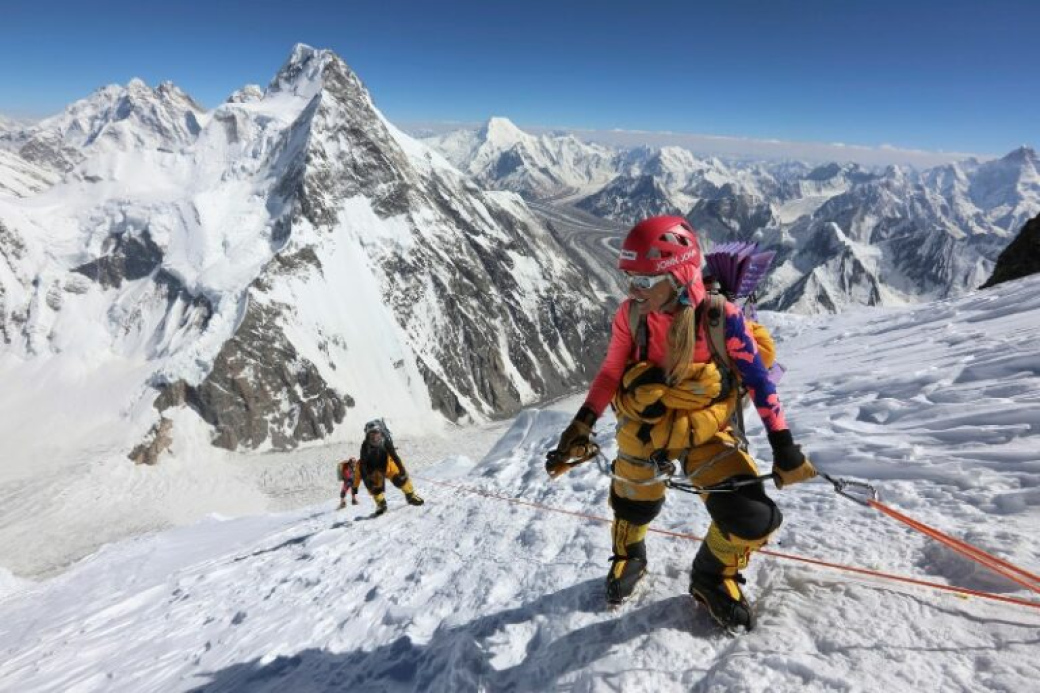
(682, 337)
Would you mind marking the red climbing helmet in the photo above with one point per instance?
(660, 244)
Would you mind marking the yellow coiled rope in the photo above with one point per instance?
(656, 416)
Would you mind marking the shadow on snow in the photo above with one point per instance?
(458, 658)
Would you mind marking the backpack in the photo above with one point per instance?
(379, 425)
(735, 271)
(341, 470)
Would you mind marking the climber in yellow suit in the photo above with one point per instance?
(674, 399)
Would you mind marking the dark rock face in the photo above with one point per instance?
(261, 390)
(629, 199)
(732, 216)
(131, 257)
(1021, 258)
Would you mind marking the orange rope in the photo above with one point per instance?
(997, 565)
(775, 554)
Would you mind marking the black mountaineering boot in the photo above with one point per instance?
(380, 508)
(722, 596)
(414, 499)
(625, 573)
(717, 587)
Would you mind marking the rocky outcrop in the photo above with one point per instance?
(12, 250)
(261, 392)
(1021, 258)
(732, 216)
(158, 441)
(629, 199)
(131, 257)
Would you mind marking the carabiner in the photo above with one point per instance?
(840, 486)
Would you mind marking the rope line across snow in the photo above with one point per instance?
(969, 551)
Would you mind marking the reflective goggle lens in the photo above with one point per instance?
(645, 281)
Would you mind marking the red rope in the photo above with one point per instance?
(775, 554)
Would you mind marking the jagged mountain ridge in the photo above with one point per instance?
(117, 116)
(916, 236)
(500, 156)
(285, 262)
(846, 235)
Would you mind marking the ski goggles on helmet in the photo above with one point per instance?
(645, 282)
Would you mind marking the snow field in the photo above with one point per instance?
(936, 405)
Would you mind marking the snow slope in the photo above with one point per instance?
(938, 405)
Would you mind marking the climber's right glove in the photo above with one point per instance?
(574, 443)
(790, 465)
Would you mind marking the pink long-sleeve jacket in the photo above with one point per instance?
(740, 344)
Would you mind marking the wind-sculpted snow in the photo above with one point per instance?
(936, 406)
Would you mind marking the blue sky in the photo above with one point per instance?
(952, 76)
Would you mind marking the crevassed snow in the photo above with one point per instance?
(936, 405)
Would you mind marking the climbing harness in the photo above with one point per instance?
(666, 469)
(858, 492)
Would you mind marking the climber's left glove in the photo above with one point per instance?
(790, 465)
(574, 443)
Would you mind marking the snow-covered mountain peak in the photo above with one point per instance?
(1018, 162)
(115, 117)
(677, 160)
(1008, 189)
(297, 240)
(247, 94)
(501, 132)
(1023, 155)
(303, 73)
(894, 172)
(501, 156)
(169, 91)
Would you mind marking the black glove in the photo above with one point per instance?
(574, 442)
(789, 464)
